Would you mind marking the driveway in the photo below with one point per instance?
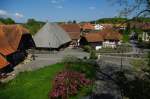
(42, 60)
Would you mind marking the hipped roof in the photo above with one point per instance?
(110, 34)
(10, 36)
(141, 25)
(106, 34)
(87, 26)
(72, 29)
(51, 35)
(3, 62)
(93, 37)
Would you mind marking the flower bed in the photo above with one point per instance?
(68, 83)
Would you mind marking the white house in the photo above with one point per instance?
(145, 37)
(98, 27)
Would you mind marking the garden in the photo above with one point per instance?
(70, 79)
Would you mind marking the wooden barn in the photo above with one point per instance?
(14, 41)
(51, 36)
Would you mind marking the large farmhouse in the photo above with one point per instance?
(111, 38)
(95, 40)
(106, 38)
(14, 41)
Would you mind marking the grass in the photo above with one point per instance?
(138, 64)
(37, 84)
(84, 92)
(126, 38)
(31, 85)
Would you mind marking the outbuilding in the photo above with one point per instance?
(51, 36)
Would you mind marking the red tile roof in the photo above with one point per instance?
(10, 36)
(3, 62)
(93, 37)
(110, 34)
(87, 26)
(106, 34)
(107, 26)
(144, 26)
(72, 29)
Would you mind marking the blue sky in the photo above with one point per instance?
(57, 10)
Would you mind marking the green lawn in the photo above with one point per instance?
(31, 85)
(37, 84)
(126, 38)
(138, 64)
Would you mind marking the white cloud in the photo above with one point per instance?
(56, 1)
(92, 8)
(6, 14)
(18, 15)
(3, 13)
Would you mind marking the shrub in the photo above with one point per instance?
(70, 59)
(83, 66)
(68, 83)
(93, 54)
(87, 48)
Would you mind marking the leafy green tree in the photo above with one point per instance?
(7, 21)
(110, 20)
(93, 54)
(74, 21)
(33, 25)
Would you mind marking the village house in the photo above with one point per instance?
(94, 39)
(145, 28)
(107, 38)
(87, 27)
(74, 31)
(98, 27)
(14, 41)
(111, 37)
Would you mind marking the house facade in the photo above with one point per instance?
(107, 38)
(95, 40)
(144, 28)
(98, 27)
(112, 38)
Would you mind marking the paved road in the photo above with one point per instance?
(117, 59)
(42, 60)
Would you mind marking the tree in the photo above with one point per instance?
(31, 21)
(7, 21)
(33, 25)
(74, 21)
(135, 6)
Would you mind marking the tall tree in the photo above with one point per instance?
(129, 7)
